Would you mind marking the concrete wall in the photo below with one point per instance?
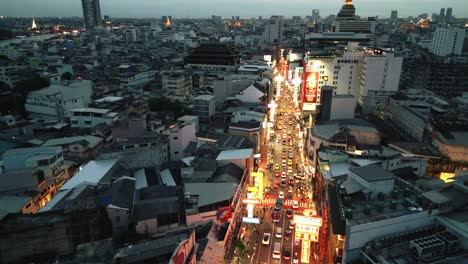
(343, 108)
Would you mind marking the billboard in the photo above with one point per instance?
(184, 251)
(310, 87)
(224, 213)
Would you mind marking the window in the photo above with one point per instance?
(87, 122)
(76, 148)
(176, 152)
(175, 138)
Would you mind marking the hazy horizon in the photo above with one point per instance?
(242, 8)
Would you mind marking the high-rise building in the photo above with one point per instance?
(315, 15)
(91, 13)
(131, 35)
(448, 15)
(370, 76)
(446, 42)
(347, 11)
(394, 14)
(274, 30)
(442, 14)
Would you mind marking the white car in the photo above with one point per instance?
(283, 174)
(295, 258)
(295, 204)
(266, 239)
(281, 195)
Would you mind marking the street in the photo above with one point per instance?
(283, 176)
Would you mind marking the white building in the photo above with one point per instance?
(131, 35)
(55, 101)
(180, 136)
(251, 94)
(204, 106)
(90, 117)
(380, 77)
(132, 81)
(274, 30)
(176, 83)
(9, 74)
(446, 42)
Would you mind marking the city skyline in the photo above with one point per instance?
(243, 8)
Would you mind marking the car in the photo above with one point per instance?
(288, 234)
(287, 253)
(283, 182)
(277, 173)
(285, 130)
(295, 204)
(291, 224)
(284, 150)
(284, 142)
(283, 174)
(290, 155)
(283, 163)
(296, 258)
(291, 181)
(279, 232)
(276, 185)
(284, 156)
(277, 166)
(277, 141)
(266, 239)
(289, 162)
(285, 136)
(281, 195)
(289, 213)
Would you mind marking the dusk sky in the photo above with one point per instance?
(227, 8)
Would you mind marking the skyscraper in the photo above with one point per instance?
(315, 15)
(448, 15)
(394, 15)
(446, 42)
(274, 30)
(91, 13)
(442, 14)
(347, 11)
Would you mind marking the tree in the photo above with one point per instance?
(23, 88)
(240, 247)
(67, 76)
(167, 105)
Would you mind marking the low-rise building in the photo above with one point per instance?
(79, 147)
(55, 101)
(91, 117)
(204, 107)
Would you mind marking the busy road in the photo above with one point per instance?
(287, 189)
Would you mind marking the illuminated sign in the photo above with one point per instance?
(307, 229)
(307, 220)
(251, 201)
(306, 237)
(305, 252)
(310, 87)
(250, 220)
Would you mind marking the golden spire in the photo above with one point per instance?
(168, 22)
(33, 26)
(348, 2)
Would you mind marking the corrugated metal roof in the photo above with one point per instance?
(92, 172)
(234, 154)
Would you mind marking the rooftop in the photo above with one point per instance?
(210, 193)
(372, 173)
(92, 172)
